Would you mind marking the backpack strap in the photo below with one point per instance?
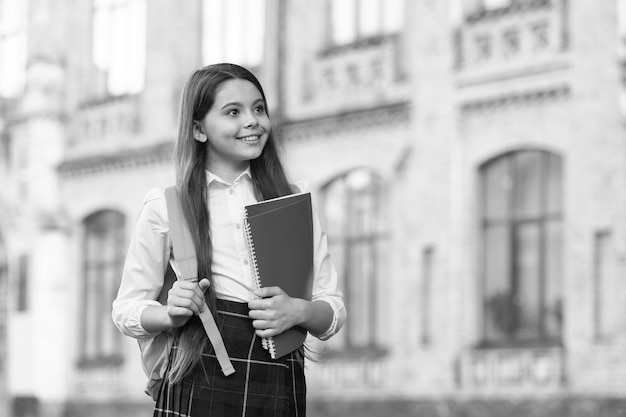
(185, 255)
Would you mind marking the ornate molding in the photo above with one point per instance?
(293, 130)
(514, 99)
(121, 159)
(482, 14)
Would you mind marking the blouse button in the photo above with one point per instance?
(232, 191)
(245, 262)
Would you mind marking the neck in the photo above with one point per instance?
(227, 172)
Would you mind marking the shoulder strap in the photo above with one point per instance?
(184, 250)
(185, 255)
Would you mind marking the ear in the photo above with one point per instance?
(198, 133)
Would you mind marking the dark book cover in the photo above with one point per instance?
(280, 237)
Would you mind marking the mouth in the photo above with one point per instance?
(251, 138)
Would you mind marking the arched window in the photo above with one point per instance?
(104, 252)
(521, 226)
(352, 213)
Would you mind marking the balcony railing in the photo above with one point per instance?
(99, 124)
(361, 75)
(521, 38)
(519, 371)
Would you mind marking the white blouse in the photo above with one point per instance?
(150, 251)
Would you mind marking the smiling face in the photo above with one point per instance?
(236, 127)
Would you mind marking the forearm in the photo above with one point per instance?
(317, 316)
(155, 319)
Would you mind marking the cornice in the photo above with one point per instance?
(119, 160)
(484, 14)
(324, 126)
(539, 95)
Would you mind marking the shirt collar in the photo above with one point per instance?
(211, 177)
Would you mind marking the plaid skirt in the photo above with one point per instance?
(260, 386)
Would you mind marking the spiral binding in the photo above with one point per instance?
(267, 342)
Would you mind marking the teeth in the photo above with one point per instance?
(249, 138)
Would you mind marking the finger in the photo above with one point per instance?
(174, 311)
(266, 292)
(260, 315)
(258, 304)
(261, 324)
(192, 292)
(189, 301)
(266, 332)
(204, 284)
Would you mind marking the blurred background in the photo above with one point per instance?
(467, 158)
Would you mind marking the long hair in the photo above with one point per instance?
(268, 177)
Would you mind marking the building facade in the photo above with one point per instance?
(467, 159)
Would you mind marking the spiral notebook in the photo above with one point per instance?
(279, 233)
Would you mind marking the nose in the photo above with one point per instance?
(252, 121)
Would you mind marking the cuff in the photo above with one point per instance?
(334, 325)
(133, 324)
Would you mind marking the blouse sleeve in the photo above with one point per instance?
(145, 266)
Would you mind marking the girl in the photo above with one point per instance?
(225, 158)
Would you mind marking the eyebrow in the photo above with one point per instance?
(238, 104)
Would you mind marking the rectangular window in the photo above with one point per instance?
(13, 47)
(233, 31)
(352, 20)
(608, 310)
(428, 254)
(119, 45)
(23, 273)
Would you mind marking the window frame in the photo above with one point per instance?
(358, 31)
(250, 57)
(17, 34)
(513, 224)
(110, 61)
(342, 247)
(107, 227)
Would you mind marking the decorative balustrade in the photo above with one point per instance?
(351, 77)
(512, 370)
(112, 120)
(523, 35)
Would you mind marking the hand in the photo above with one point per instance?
(185, 299)
(274, 312)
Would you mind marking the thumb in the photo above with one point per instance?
(204, 284)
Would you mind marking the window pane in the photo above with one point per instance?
(527, 271)
(234, 31)
(527, 196)
(497, 186)
(554, 198)
(343, 21)
(13, 47)
(497, 282)
(119, 44)
(393, 15)
(361, 296)
(496, 4)
(554, 271)
(369, 17)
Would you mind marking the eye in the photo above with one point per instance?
(260, 108)
(232, 112)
